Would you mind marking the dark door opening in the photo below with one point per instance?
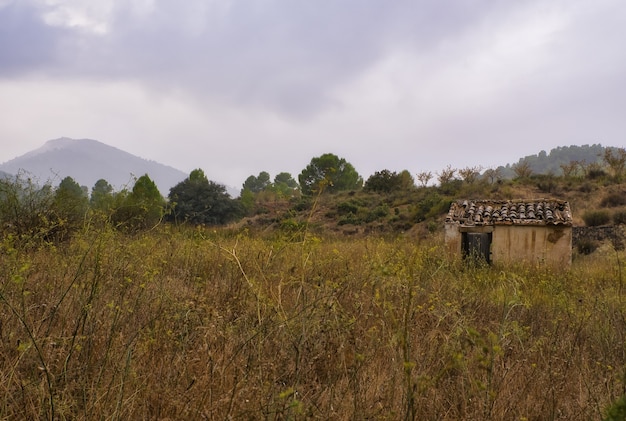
(476, 246)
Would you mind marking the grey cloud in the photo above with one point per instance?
(287, 55)
(282, 55)
(26, 42)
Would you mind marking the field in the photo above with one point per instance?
(204, 324)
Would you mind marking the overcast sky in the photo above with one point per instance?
(236, 87)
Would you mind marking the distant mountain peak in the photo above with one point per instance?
(88, 160)
(56, 144)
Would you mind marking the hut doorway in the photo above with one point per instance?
(476, 246)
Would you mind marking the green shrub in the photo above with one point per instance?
(349, 219)
(377, 213)
(596, 218)
(617, 411)
(345, 208)
(303, 204)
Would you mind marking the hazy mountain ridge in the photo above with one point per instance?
(550, 162)
(87, 161)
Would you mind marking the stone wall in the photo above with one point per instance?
(613, 233)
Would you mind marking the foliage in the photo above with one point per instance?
(257, 184)
(613, 199)
(617, 411)
(523, 170)
(594, 171)
(386, 181)
(469, 174)
(197, 200)
(432, 204)
(615, 159)
(70, 205)
(247, 200)
(26, 209)
(329, 173)
(141, 208)
(594, 218)
(447, 175)
(562, 160)
(424, 177)
(546, 183)
(587, 246)
(351, 206)
(101, 198)
(192, 323)
(407, 182)
(619, 217)
(493, 175)
(286, 185)
(258, 191)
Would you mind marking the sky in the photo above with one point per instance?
(236, 87)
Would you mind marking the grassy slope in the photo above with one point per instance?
(202, 324)
(420, 213)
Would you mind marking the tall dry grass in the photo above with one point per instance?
(198, 324)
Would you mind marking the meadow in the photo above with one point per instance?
(181, 323)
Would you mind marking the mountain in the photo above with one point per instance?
(87, 161)
(550, 163)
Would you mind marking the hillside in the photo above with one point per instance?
(419, 213)
(87, 161)
(551, 162)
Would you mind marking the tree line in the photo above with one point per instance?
(31, 211)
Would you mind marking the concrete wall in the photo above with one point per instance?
(452, 238)
(536, 245)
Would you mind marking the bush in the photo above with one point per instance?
(349, 219)
(546, 183)
(383, 181)
(586, 246)
(587, 187)
(617, 411)
(377, 213)
(345, 208)
(27, 210)
(302, 204)
(596, 218)
(619, 217)
(613, 200)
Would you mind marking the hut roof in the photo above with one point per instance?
(510, 212)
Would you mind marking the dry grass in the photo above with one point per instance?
(207, 325)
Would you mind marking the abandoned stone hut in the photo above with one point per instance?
(537, 232)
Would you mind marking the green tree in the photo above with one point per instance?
(70, 203)
(285, 185)
(329, 173)
(101, 196)
(141, 208)
(257, 184)
(148, 202)
(197, 200)
(384, 181)
(407, 182)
